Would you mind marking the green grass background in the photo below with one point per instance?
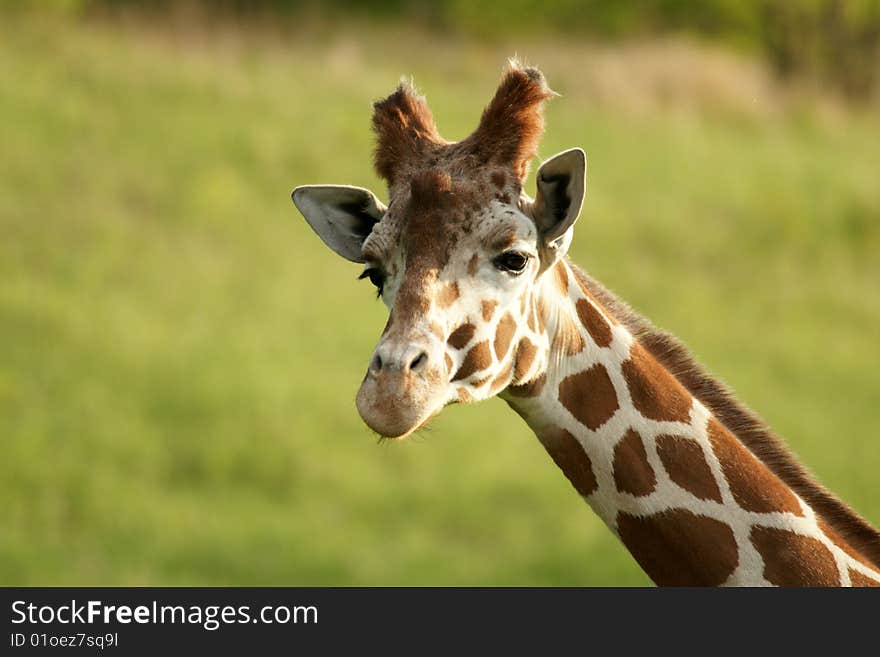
(179, 354)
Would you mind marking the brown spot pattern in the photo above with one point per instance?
(478, 358)
(448, 363)
(571, 458)
(461, 336)
(857, 579)
(686, 464)
(504, 335)
(448, 295)
(794, 560)
(589, 396)
(488, 309)
(680, 548)
(655, 393)
(751, 483)
(751, 430)
(632, 472)
(502, 379)
(561, 277)
(525, 355)
(473, 263)
(602, 305)
(532, 318)
(593, 321)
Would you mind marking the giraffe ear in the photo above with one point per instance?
(342, 216)
(561, 182)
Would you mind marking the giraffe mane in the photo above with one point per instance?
(750, 429)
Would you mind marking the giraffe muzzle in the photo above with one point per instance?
(402, 388)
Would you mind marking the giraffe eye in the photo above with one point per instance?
(376, 277)
(512, 261)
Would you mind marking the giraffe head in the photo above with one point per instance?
(459, 254)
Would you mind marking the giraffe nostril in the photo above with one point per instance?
(376, 365)
(418, 362)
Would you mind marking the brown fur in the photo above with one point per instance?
(685, 462)
(478, 358)
(794, 560)
(525, 355)
(561, 277)
(589, 396)
(448, 294)
(751, 483)
(743, 423)
(594, 323)
(568, 454)
(405, 131)
(473, 265)
(506, 138)
(502, 379)
(430, 190)
(504, 335)
(512, 123)
(499, 178)
(655, 392)
(461, 336)
(857, 579)
(533, 322)
(488, 309)
(679, 548)
(632, 472)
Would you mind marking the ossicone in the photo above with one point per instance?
(512, 124)
(507, 136)
(405, 131)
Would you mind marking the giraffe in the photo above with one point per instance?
(484, 301)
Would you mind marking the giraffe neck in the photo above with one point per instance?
(683, 493)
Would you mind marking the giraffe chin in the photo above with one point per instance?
(395, 416)
(394, 433)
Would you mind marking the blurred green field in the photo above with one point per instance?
(179, 354)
